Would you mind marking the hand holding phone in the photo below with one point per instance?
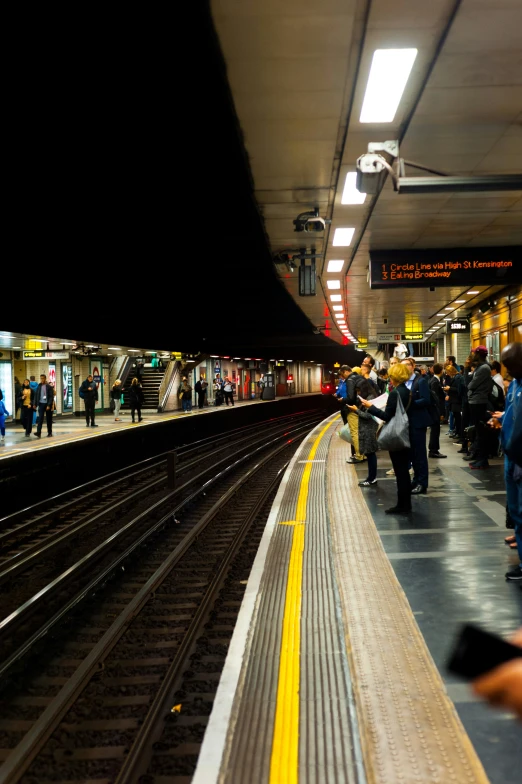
(477, 652)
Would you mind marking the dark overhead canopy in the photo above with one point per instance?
(137, 171)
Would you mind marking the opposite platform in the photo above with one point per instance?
(328, 677)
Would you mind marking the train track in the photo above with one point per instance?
(106, 691)
(48, 572)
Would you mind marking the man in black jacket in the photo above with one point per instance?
(89, 393)
(436, 387)
(420, 419)
(201, 389)
(352, 381)
(479, 390)
(44, 399)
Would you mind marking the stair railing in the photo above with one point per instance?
(169, 379)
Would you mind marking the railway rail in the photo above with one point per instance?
(99, 701)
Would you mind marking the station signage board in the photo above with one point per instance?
(36, 354)
(458, 326)
(436, 267)
(401, 337)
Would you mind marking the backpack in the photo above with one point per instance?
(81, 393)
(497, 398)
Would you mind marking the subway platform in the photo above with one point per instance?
(336, 670)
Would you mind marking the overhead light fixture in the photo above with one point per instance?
(337, 307)
(389, 74)
(336, 297)
(447, 319)
(350, 193)
(343, 237)
(333, 284)
(473, 292)
(109, 354)
(450, 308)
(335, 265)
(440, 314)
(114, 348)
(460, 301)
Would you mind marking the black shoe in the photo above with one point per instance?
(463, 451)
(436, 454)
(397, 510)
(469, 457)
(419, 490)
(515, 575)
(478, 465)
(37, 435)
(94, 425)
(27, 435)
(49, 435)
(87, 425)
(368, 483)
(354, 460)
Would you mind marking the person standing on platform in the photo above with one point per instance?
(135, 399)
(89, 394)
(420, 419)
(340, 393)
(228, 389)
(218, 390)
(18, 392)
(399, 375)
(44, 400)
(34, 387)
(511, 422)
(453, 392)
(201, 390)
(367, 431)
(369, 363)
(27, 406)
(116, 393)
(479, 390)
(435, 383)
(3, 414)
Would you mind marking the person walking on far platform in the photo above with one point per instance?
(136, 399)
(89, 395)
(185, 395)
(44, 400)
(201, 389)
(34, 386)
(116, 393)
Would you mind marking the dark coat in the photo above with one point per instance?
(391, 403)
(480, 385)
(367, 433)
(419, 411)
(436, 387)
(49, 393)
(135, 395)
(89, 394)
(455, 393)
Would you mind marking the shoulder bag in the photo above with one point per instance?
(395, 435)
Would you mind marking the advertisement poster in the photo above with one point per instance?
(51, 376)
(67, 390)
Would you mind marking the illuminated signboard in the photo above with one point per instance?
(445, 267)
(458, 326)
(404, 337)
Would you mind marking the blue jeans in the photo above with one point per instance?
(187, 405)
(514, 500)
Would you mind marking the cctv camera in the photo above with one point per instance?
(310, 221)
(371, 173)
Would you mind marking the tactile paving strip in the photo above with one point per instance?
(409, 729)
(325, 732)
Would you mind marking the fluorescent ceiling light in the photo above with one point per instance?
(343, 237)
(388, 77)
(333, 284)
(114, 348)
(335, 265)
(335, 297)
(460, 301)
(350, 193)
(450, 308)
(473, 292)
(337, 307)
(440, 314)
(447, 319)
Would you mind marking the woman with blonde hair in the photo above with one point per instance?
(401, 458)
(116, 393)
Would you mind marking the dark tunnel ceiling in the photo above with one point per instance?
(142, 214)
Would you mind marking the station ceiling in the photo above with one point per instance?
(298, 71)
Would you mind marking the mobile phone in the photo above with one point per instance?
(477, 651)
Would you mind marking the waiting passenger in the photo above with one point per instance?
(185, 395)
(135, 399)
(228, 390)
(44, 400)
(382, 380)
(435, 383)
(399, 375)
(511, 422)
(367, 431)
(201, 390)
(27, 406)
(89, 394)
(116, 395)
(353, 381)
(479, 390)
(218, 390)
(34, 387)
(340, 392)
(453, 398)
(420, 419)
(3, 414)
(18, 392)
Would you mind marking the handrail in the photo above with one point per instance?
(126, 370)
(166, 386)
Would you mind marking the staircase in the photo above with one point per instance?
(151, 379)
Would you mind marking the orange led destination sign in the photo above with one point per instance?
(445, 267)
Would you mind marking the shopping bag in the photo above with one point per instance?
(345, 434)
(395, 435)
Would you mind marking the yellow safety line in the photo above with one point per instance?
(284, 762)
